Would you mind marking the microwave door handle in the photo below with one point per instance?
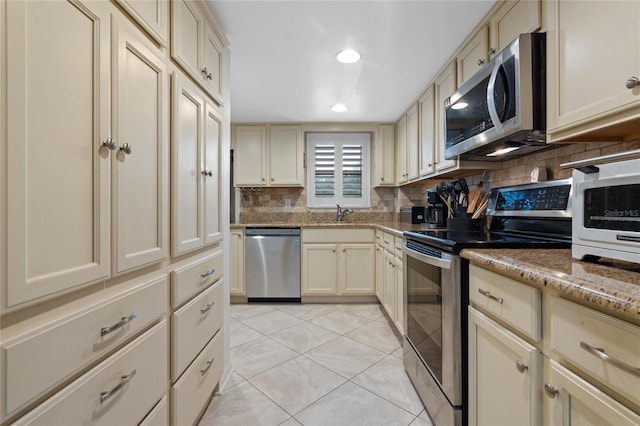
(491, 87)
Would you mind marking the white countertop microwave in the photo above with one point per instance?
(606, 208)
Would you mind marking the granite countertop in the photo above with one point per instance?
(396, 228)
(613, 287)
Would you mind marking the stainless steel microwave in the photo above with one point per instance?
(606, 220)
(500, 112)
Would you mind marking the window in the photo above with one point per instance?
(338, 170)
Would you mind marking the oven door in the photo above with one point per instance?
(433, 315)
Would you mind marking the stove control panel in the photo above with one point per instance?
(541, 199)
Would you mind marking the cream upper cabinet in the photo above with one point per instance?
(140, 164)
(413, 143)
(571, 401)
(504, 375)
(357, 270)
(286, 155)
(445, 85)
(236, 255)
(57, 177)
(473, 56)
(513, 17)
(268, 155)
(152, 15)
(385, 156)
(593, 76)
(426, 111)
(250, 155)
(402, 168)
(194, 180)
(196, 46)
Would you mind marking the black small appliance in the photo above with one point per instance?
(435, 212)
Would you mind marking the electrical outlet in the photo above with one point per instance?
(287, 202)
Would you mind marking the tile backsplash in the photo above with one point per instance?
(265, 205)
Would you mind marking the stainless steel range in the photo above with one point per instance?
(436, 278)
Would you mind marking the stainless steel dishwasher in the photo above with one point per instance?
(272, 264)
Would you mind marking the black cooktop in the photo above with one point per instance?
(454, 241)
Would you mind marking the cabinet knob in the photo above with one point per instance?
(110, 143)
(480, 62)
(382, 179)
(521, 366)
(126, 148)
(344, 250)
(333, 250)
(206, 73)
(263, 179)
(632, 82)
(491, 51)
(272, 179)
(551, 390)
(206, 172)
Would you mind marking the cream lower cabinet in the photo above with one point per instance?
(380, 273)
(570, 400)
(236, 260)
(390, 275)
(504, 375)
(195, 173)
(338, 262)
(607, 60)
(389, 294)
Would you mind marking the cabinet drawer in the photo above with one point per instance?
(191, 279)
(379, 236)
(192, 326)
(194, 388)
(135, 376)
(388, 241)
(397, 246)
(73, 341)
(159, 416)
(336, 236)
(574, 328)
(509, 300)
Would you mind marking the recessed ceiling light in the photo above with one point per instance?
(348, 56)
(339, 108)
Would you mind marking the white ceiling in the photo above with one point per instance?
(283, 66)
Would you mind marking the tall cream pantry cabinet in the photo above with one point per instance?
(90, 289)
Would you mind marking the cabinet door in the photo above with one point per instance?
(152, 15)
(212, 63)
(504, 375)
(445, 85)
(57, 177)
(236, 248)
(186, 178)
(400, 323)
(389, 300)
(385, 166)
(402, 172)
(186, 36)
(601, 60)
(413, 143)
(427, 131)
(473, 56)
(211, 174)
(141, 164)
(513, 18)
(380, 273)
(319, 269)
(285, 156)
(250, 156)
(570, 400)
(357, 268)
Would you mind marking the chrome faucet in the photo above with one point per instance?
(341, 212)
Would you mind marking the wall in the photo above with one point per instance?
(267, 205)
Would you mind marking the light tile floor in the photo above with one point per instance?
(315, 364)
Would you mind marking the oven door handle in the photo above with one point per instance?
(444, 263)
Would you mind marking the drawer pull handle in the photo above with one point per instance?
(490, 296)
(206, 308)
(521, 366)
(206, 274)
(550, 390)
(123, 381)
(124, 321)
(209, 364)
(600, 353)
